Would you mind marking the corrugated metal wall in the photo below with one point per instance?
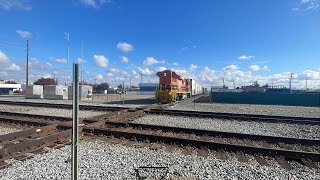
(267, 98)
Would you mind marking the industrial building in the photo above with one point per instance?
(8, 89)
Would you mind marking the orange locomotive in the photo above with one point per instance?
(172, 87)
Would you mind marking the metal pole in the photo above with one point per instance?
(27, 64)
(194, 97)
(123, 92)
(81, 65)
(75, 120)
(306, 83)
(67, 37)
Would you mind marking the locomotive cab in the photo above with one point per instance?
(172, 87)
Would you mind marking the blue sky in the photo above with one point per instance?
(208, 40)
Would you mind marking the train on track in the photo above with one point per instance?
(174, 87)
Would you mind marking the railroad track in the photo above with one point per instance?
(304, 151)
(159, 109)
(64, 106)
(48, 131)
(242, 117)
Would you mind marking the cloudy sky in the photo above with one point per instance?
(238, 40)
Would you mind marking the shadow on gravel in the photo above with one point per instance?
(134, 101)
(203, 99)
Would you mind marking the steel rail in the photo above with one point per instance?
(243, 117)
(200, 132)
(272, 152)
(63, 106)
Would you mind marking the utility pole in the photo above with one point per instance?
(123, 92)
(223, 83)
(234, 84)
(130, 84)
(141, 77)
(81, 64)
(27, 64)
(54, 77)
(290, 85)
(67, 37)
(306, 83)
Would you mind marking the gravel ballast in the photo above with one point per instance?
(101, 160)
(130, 101)
(47, 111)
(7, 130)
(237, 126)
(273, 110)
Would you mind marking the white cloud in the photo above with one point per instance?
(151, 60)
(134, 72)
(175, 64)
(94, 3)
(193, 67)
(266, 68)
(181, 71)
(124, 74)
(15, 4)
(112, 70)
(99, 77)
(124, 47)
(161, 68)
(100, 61)
(308, 74)
(48, 64)
(109, 74)
(81, 61)
(4, 58)
(14, 67)
(124, 59)
(254, 67)
(306, 5)
(145, 71)
(231, 67)
(61, 60)
(244, 57)
(23, 34)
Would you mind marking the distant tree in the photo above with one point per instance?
(102, 87)
(45, 81)
(120, 86)
(10, 82)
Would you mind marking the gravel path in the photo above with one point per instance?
(101, 160)
(188, 104)
(247, 127)
(47, 111)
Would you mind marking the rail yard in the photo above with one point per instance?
(189, 139)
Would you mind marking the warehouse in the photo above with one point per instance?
(6, 89)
